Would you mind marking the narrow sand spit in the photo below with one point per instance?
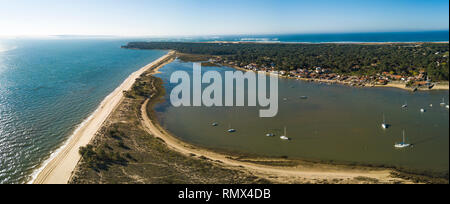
(59, 169)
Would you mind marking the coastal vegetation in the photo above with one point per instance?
(396, 59)
(123, 152)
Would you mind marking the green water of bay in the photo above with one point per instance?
(336, 123)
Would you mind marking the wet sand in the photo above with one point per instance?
(59, 169)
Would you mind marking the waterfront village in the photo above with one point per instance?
(324, 75)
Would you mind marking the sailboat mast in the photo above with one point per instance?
(404, 140)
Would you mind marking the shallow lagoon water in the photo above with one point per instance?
(336, 123)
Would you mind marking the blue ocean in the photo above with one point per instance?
(47, 88)
(423, 36)
(50, 86)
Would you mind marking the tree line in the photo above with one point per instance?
(355, 59)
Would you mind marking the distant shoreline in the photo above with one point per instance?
(336, 42)
(264, 167)
(261, 165)
(443, 85)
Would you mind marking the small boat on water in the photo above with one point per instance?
(384, 125)
(284, 137)
(304, 97)
(443, 102)
(270, 135)
(402, 144)
(215, 124)
(231, 130)
(423, 110)
(447, 106)
(431, 105)
(405, 105)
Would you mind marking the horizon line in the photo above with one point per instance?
(214, 35)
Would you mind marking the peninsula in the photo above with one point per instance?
(411, 66)
(131, 147)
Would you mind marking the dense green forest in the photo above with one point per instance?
(354, 59)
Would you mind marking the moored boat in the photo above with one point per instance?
(284, 137)
(403, 144)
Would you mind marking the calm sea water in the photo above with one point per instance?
(336, 123)
(424, 36)
(47, 88)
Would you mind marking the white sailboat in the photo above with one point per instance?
(284, 137)
(384, 125)
(402, 144)
(443, 102)
(405, 105)
(423, 110)
(231, 130)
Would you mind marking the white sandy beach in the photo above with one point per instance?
(275, 174)
(59, 169)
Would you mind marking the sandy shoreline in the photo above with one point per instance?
(293, 174)
(59, 169)
(394, 84)
(274, 173)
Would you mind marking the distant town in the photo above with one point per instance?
(325, 75)
(414, 66)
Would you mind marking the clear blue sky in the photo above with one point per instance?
(211, 17)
